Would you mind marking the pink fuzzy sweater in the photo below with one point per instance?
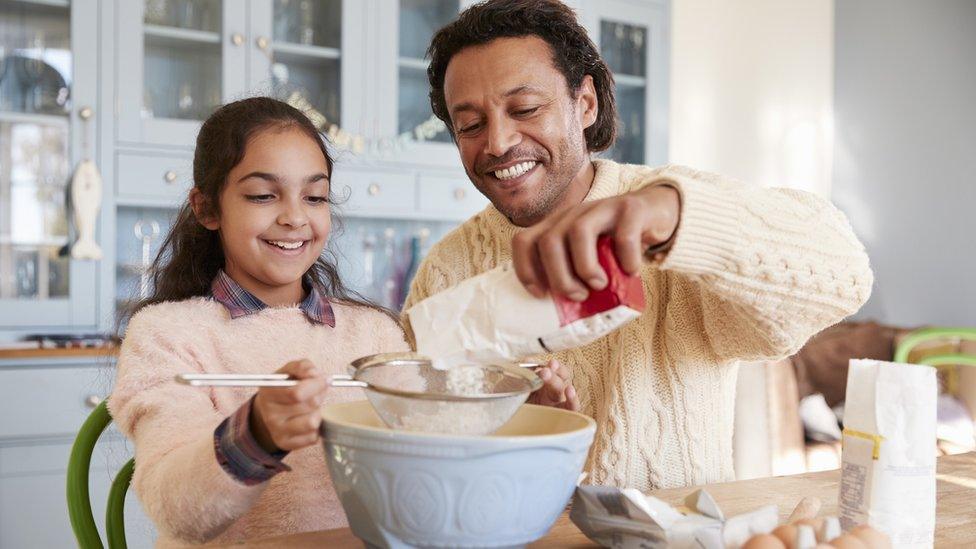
(177, 478)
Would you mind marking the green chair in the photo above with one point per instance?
(79, 504)
(939, 360)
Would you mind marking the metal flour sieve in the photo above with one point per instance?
(408, 393)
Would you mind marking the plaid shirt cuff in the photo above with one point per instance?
(240, 454)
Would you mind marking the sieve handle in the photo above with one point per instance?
(236, 380)
(346, 380)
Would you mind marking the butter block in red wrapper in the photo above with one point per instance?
(491, 317)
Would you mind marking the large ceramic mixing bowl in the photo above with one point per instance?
(413, 489)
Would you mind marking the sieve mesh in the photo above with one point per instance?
(408, 393)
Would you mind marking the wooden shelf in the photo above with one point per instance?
(58, 353)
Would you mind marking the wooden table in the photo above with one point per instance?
(955, 522)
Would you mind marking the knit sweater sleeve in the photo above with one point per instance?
(181, 485)
(754, 272)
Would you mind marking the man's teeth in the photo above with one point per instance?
(515, 171)
(286, 245)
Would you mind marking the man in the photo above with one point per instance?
(730, 272)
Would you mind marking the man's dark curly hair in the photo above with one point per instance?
(573, 54)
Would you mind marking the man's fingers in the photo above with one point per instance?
(528, 268)
(628, 238)
(556, 262)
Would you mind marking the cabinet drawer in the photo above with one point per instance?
(453, 197)
(374, 192)
(44, 401)
(154, 177)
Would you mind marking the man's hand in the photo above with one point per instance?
(557, 389)
(288, 418)
(559, 254)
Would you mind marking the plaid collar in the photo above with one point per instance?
(239, 302)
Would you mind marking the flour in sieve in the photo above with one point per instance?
(466, 380)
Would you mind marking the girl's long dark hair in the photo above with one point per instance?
(191, 255)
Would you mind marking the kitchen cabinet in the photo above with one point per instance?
(48, 65)
(43, 403)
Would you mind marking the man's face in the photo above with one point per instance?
(518, 129)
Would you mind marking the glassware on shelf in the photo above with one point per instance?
(26, 262)
(158, 12)
(306, 18)
(283, 20)
(369, 261)
(4, 64)
(32, 67)
(416, 252)
(185, 100)
(147, 238)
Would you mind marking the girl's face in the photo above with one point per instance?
(274, 214)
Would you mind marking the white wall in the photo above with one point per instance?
(752, 90)
(905, 157)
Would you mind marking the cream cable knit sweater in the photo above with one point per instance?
(182, 488)
(752, 274)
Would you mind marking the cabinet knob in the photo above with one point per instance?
(460, 193)
(85, 113)
(373, 189)
(93, 401)
(237, 39)
(169, 176)
(263, 43)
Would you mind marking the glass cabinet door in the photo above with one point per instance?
(178, 60)
(632, 41)
(419, 20)
(304, 51)
(623, 47)
(40, 138)
(306, 57)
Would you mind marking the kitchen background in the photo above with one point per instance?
(864, 101)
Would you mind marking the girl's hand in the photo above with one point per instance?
(288, 418)
(557, 389)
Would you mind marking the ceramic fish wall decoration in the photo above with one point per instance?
(86, 198)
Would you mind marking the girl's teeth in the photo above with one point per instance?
(286, 245)
(514, 171)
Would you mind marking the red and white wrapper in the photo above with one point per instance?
(492, 318)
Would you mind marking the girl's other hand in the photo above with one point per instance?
(557, 387)
(288, 418)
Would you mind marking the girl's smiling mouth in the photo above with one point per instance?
(288, 247)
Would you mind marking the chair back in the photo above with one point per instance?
(79, 503)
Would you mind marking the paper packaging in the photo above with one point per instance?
(888, 471)
(491, 317)
(627, 519)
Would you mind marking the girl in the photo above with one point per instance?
(240, 286)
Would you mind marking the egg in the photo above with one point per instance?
(806, 538)
(848, 541)
(764, 541)
(871, 537)
(786, 534)
(816, 523)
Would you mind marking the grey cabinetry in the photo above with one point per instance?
(43, 402)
